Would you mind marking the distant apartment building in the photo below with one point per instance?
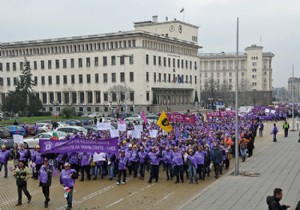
(294, 86)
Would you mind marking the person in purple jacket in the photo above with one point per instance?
(24, 155)
(200, 160)
(74, 161)
(167, 159)
(4, 157)
(85, 166)
(134, 160)
(122, 167)
(45, 178)
(67, 179)
(143, 160)
(177, 162)
(36, 158)
(154, 158)
(192, 166)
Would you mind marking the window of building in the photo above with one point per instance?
(15, 66)
(159, 60)
(79, 62)
(147, 96)
(122, 77)
(165, 77)
(88, 62)
(230, 74)
(253, 76)
(43, 80)
(64, 63)
(191, 79)
(35, 80)
(169, 62)
(66, 98)
(122, 60)
(72, 63)
(88, 78)
(105, 77)
(58, 96)
(131, 96)
(96, 61)
(1, 67)
(113, 60)
(147, 59)
(131, 76)
(195, 79)
(253, 83)
(57, 79)
(105, 96)
(21, 66)
(113, 77)
(96, 78)
(42, 65)
(57, 64)
(243, 74)
(80, 78)
(154, 76)
(253, 70)
(131, 59)
(254, 63)
(104, 60)
(196, 67)
(90, 97)
(7, 67)
(147, 76)
(114, 96)
(159, 77)
(178, 63)
(8, 81)
(72, 79)
(98, 97)
(50, 80)
(154, 60)
(65, 81)
(81, 97)
(74, 98)
(49, 64)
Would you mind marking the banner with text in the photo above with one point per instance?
(184, 118)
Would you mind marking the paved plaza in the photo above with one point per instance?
(278, 165)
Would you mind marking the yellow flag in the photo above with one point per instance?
(164, 123)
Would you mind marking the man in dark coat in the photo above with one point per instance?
(216, 158)
(273, 201)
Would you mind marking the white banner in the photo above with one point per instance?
(153, 133)
(114, 133)
(138, 128)
(18, 139)
(134, 134)
(99, 157)
(103, 126)
(121, 127)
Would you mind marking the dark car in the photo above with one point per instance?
(14, 129)
(9, 143)
(4, 132)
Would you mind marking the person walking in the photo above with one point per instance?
(67, 179)
(286, 127)
(216, 158)
(273, 201)
(274, 132)
(177, 161)
(243, 147)
(22, 174)
(4, 157)
(45, 178)
(154, 158)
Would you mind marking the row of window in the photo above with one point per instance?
(80, 79)
(70, 48)
(163, 61)
(218, 74)
(57, 64)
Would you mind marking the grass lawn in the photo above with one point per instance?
(32, 120)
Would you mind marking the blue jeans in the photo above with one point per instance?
(111, 169)
(243, 154)
(70, 198)
(192, 170)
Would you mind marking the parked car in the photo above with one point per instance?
(44, 127)
(15, 129)
(4, 132)
(134, 119)
(152, 118)
(9, 143)
(72, 122)
(32, 142)
(72, 129)
(107, 119)
(90, 128)
(94, 114)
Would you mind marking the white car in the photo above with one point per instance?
(132, 119)
(32, 142)
(44, 127)
(152, 118)
(107, 119)
(94, 114)
(72, 129)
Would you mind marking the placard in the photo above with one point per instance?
(114, 133)
(153, 133)
(18, 139)
(103, 126)
(121, 127)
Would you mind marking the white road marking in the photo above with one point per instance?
(128, 196)
(164, 198)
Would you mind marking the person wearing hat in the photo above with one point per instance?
(142, 160)
(37, 159)
(128, 154)
(122, 167)
(177, 161)
(200, 158)
(154, 158)
(45, 178)
(67, 179)
(21, 173)
(167, 159)
(24, 154)
(4, 157)
(134, 160)
(192, 166)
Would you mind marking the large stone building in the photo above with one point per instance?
(294, 85)
(154, 67)
(218, 72)
(156, 64)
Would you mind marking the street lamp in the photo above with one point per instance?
(211, 102)
(55, 104)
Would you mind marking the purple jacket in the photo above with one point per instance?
(4, 156)
(134, 156)
(85, 159)
(37, 158)
(167, 157)
(142, 156)
(154, 159)
(199, 156)
(66, 178)
(177, 158)
(73, 158)
(45, 174)
(191, 161)
(24, 155)
(123, 162)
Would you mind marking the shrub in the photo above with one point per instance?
(67, 111)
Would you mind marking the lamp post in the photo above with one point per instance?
(211, 103)
(293, 94)
(55, 104)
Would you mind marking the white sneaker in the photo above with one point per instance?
(122, 182)
(117, 183)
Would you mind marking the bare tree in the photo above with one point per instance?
(119, 94)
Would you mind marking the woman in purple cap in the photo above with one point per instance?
(45, 177)
(67, 179)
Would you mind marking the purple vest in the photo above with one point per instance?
(177, 158)
(4, 156)
(142, 156)
(199, 156)
(167, 157)
(38, 159)
(154, 160)
(134, 156)
(66, 179)
(45, 172)
(123, 163)
(85, 159)
(191, 161)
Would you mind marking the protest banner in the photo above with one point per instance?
(18, 139)
(103, 126)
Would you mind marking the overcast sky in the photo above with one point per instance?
(274, 23)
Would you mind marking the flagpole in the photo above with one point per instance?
(236, 172)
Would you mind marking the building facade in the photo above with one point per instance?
(294, 86)
(158, 70)
(254, 73)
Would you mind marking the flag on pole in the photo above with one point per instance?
(164, 123)
(122, 121)
(182, 10)
(143, 116)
